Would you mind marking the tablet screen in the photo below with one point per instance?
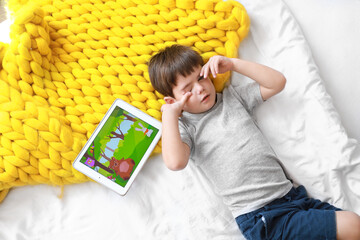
(119, 146)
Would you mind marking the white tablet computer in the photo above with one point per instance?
(119, 146)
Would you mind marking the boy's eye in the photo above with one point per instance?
(186, 91)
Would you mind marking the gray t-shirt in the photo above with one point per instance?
(230, 150)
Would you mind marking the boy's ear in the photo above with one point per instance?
(169, 100)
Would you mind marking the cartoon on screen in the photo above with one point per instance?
(119, 146)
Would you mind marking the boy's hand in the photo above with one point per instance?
(175, 107)
(217, 64)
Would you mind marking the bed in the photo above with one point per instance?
(313, 126)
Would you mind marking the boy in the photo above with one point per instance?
(218, 133)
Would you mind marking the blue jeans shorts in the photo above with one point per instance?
(294, 216)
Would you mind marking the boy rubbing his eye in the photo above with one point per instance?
(217, 131)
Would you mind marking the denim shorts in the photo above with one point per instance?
(294, 216)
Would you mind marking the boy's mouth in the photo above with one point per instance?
(205, 98)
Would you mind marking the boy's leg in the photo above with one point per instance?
(290, 223)
(295, 216)
(347, 225)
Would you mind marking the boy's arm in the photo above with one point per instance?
(271, 81)
(175, 152)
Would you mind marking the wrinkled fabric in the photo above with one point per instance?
(300, 123)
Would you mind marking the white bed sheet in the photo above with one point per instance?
(300, 123)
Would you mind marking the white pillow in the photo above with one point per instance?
(301, 122)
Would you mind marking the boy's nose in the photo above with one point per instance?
(199, 88)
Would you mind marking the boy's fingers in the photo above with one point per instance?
(216, 66)
(213, 68)
(202, 71)
(185, 98)
(205, 70)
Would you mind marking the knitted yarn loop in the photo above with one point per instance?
(69, 60)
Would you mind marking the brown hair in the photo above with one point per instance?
(169, 63)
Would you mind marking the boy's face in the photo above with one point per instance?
(203, 92)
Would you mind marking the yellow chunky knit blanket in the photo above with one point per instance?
(68, 60)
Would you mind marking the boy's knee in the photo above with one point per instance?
(357, 226)
(348, 225)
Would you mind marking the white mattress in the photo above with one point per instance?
(301, 124)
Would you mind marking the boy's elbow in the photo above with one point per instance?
(176, 167)
(175, 164)
(282, 83)
(178, 158)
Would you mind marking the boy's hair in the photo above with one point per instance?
(169, 63)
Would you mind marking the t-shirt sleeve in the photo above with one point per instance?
(247, 92)
(185, 134)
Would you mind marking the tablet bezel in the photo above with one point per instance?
(98, 177)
